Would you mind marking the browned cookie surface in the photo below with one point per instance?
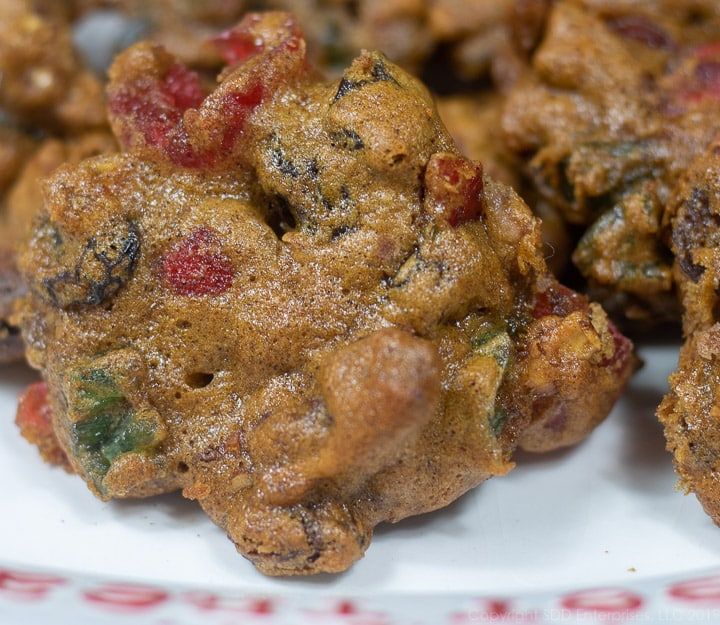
(474, 122)
(25, 197)
(20, 204)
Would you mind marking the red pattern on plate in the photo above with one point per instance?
(211, 602)
(74, 599)
(28, 586)
(349, 613)
(126, 597)
(495, 611)
(703, 590)
(604, 600)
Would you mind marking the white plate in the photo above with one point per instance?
(605, 514)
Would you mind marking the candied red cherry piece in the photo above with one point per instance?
(234, 109)
(237, 107)
(34, 413)
(197, 266)
(183, 87)
(254, 34)
(34, 419)
(154, 105)
(558, 300)
(156, 102)
(702, 80)
(707, 74)
(709, 51)
(623, 349)
(454, 188)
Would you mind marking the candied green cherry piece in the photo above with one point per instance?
(621, 248)
(97, 403)
(135, 433)
(491, 343)
(494, 342)
(497, 421)
(599, 168)
(104, 423)
(114, 434)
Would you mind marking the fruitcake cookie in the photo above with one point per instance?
(603, 123)
(297, 302)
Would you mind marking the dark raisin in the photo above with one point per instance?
(346, 139)
(105, 265)
(341, 231)
(280, 161)
(691, 229)
(378, 73)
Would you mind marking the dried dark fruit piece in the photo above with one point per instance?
(641, 29)
(104, 266)
(378, 73)
(690, 233)
(347, 139)
(698, 78)
(454, 188)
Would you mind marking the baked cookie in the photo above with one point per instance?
(297, 302)
(19, 205)
(602, 122)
